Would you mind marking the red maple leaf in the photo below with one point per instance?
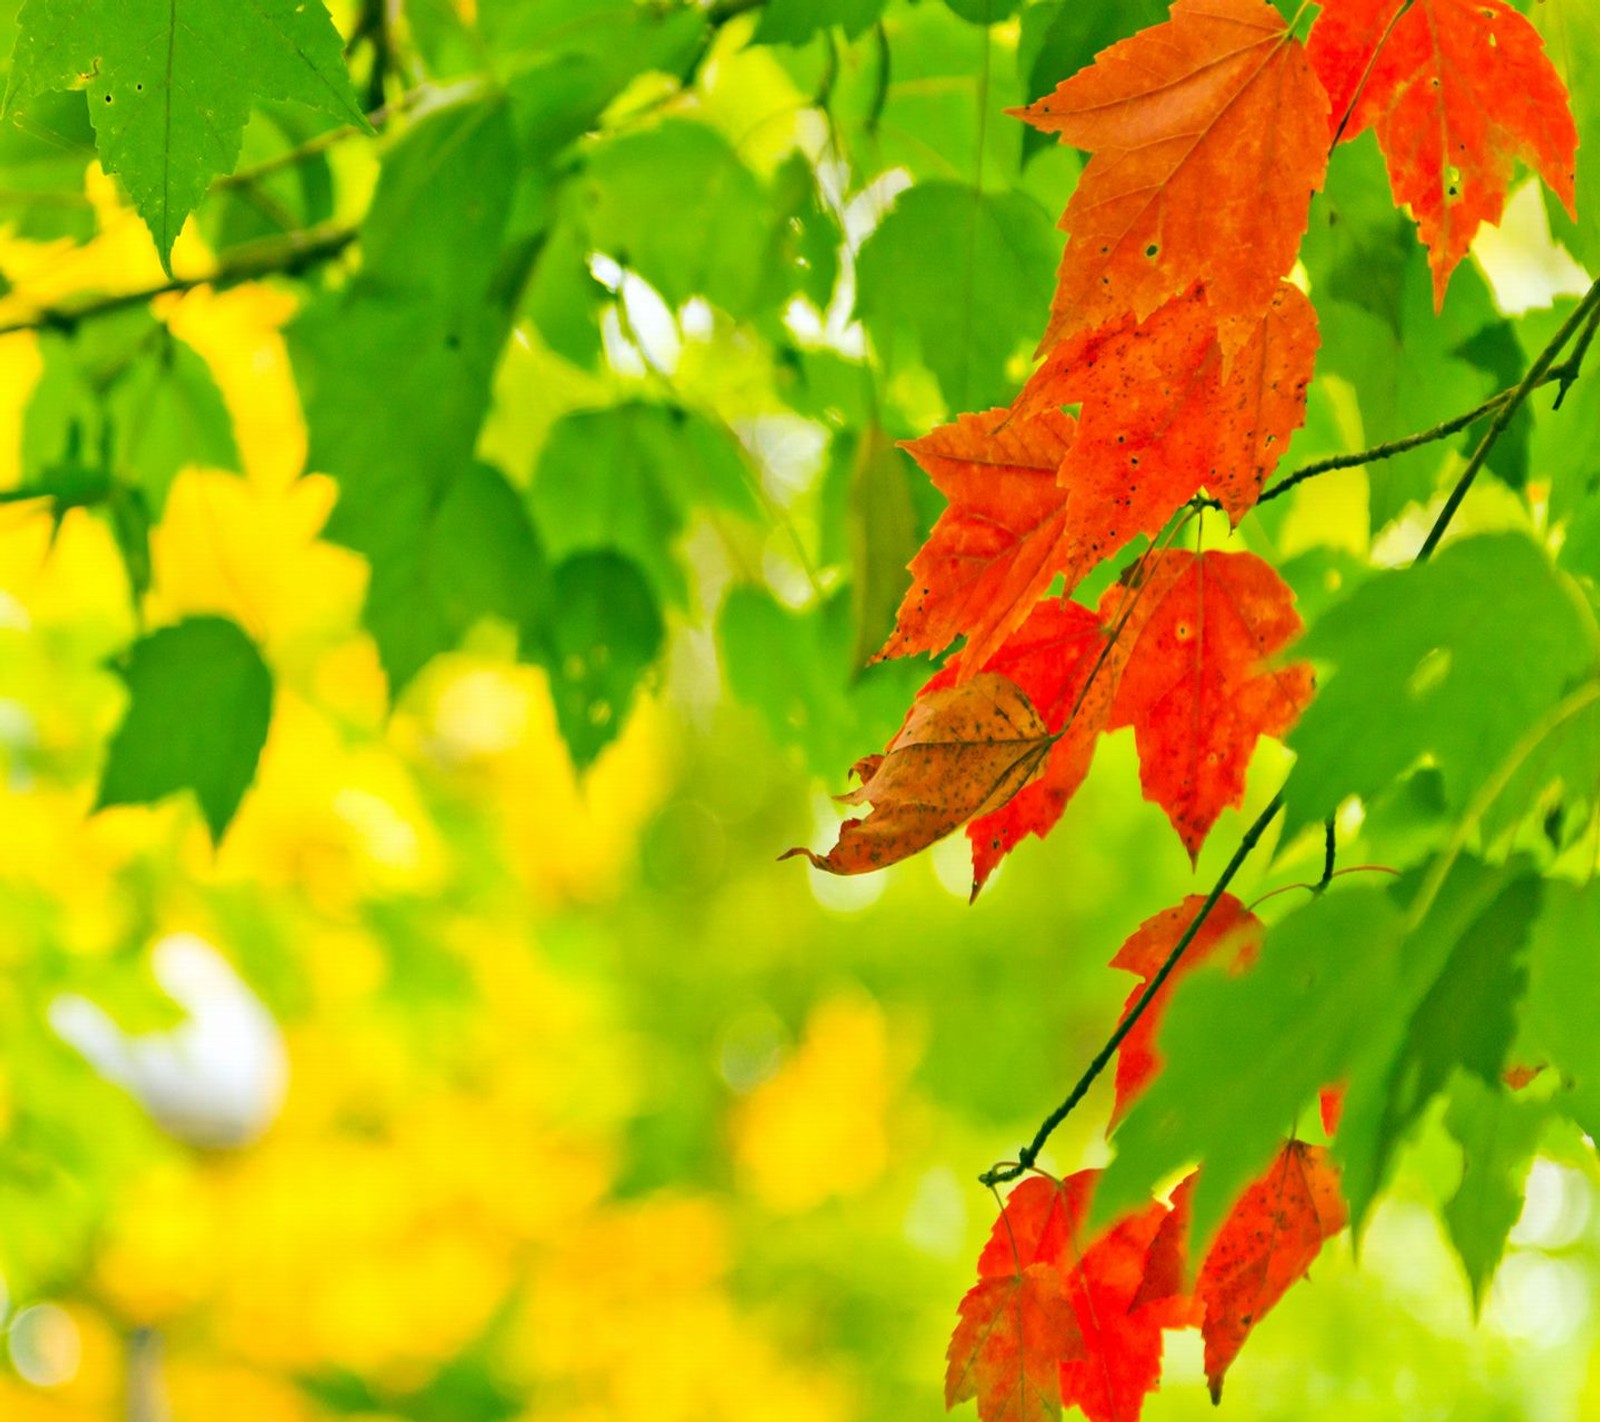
(1268, 1241)
(962, 752)
(1457, 90)
(1165, 413)
(1229, 925)
(1037, 1223)
(1114, 1357)
(990, 555)
(1053, 657)
(1122, 1344)
(1209, 136)
(1192, 663)
(1007, 1348)
(1017, 1324)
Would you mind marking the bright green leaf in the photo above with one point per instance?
(1563, 1002)
(711, 244)
(170, 84)
(796, 21)
(967, 277)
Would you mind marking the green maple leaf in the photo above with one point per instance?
(170, 84)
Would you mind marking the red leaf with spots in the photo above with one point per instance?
(962, 752)
(991, 554)
(1053, 657)
(1165, 414)
(1229, 926)
(1196, 680)
(1209, 136)
(1457, 90)
(1268, 1241)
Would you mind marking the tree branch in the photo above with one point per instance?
(276, 256)
(1585, 317)
(998, 1175)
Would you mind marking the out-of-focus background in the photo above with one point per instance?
(460, 1085)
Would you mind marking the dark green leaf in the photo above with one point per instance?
(619, 38)
(395, 370)
(798, 670)
(1465, 971)
(471, 555)
(128, 391)
(1498, 1133)
(626, 477)
(284, 199)
(1456, 658)
(200, 700)
(984, 12)
(796, 21)
(169, 92)
(606, 634)
(1411, 368)
(884, 537)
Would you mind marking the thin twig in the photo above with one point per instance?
(998, 1175)
(275, 256)
(1536, 374)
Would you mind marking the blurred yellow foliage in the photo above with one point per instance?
(818, 1128)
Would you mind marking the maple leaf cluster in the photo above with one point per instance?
(1185, 351)
(1056, 1319)
(1175, 363)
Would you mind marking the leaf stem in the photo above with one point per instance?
(997, 1175)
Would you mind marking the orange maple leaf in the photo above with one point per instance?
(1053, 657)
(1268, 1241)
(1209, 137)
(1192, 664)
(1228, 926)
(1456, 89)
(963, 751)
(1165, 413)
(989, 557)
